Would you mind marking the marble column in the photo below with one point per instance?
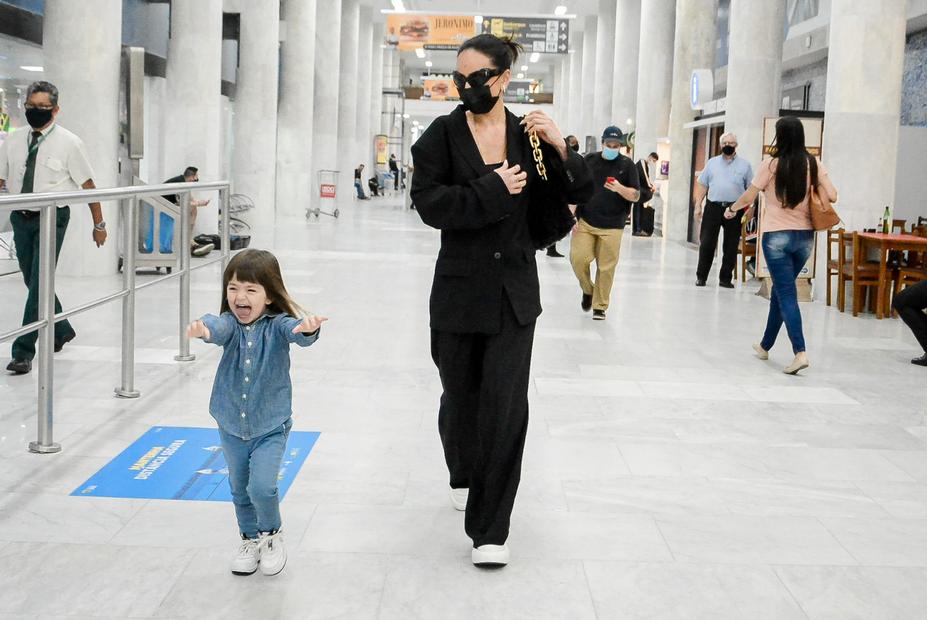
(694, 49)
(754, 72)
(327, 75)
(255, 154)
(865, 66)
(627, 50)
(604, 66)
(654, 73)
(575, 119)
(348, 156)
(192, 119)
(376, 90)
(295, 177)
(587, 117)
(364, 138)
(82, 39)
(562, 94)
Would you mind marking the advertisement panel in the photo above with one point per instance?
(536, 34)
(440, 89)
(437, 32)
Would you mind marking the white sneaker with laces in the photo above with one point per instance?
(488, 556)
(247, 558)
(459, 498)
(272, 553)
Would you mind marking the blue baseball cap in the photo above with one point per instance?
(612, 133)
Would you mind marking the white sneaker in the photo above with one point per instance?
(273, 553)
(761, 353)
(459, 498)
(799, 363)
(490, 555)
(247, 558)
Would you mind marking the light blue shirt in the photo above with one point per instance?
(726, 179)
(252, 394)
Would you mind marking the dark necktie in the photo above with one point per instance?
(29, 175)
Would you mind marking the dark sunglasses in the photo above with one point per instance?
(477, 79)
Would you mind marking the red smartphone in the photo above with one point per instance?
(610, 179)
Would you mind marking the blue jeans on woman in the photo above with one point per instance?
(253, 469)
(785, 252)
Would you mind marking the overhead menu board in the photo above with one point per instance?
(437, 32)
(536, 34)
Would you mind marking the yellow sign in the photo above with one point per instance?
(382, 146)
(429, 31)
(440, 89)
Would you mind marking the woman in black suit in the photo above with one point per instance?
(476, 180)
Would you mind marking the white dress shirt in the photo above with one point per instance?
(61, 163)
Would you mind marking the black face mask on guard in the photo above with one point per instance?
(37, 117)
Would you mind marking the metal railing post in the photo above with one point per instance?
(47, 228)
(130, 239)
(225, 227)
(185, 243)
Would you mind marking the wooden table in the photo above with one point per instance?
(887, 243)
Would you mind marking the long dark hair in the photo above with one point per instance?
(260, 267)
(502, 51)
(794, 161)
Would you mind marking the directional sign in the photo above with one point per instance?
(175, 462)
(537, 34)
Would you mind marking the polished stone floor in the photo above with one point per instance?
(668, 472)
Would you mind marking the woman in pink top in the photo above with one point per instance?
(788, 236)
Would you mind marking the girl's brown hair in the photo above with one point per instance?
(260, 267)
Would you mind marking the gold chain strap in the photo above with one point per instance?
(538, 155)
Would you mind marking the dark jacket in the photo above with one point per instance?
(644, 175)
(607, 209)
(486, 244)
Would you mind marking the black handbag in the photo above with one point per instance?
(549, 216)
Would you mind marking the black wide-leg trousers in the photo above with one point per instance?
(483, 419)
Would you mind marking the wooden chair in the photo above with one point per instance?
(914, 269)
(898, 226)
(747, 250)
(833, 262)
(854, 267)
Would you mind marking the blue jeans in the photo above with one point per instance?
(786, 252)
(360, 190)
(253, 469)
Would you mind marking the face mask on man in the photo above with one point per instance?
(575, 146)
(728, 150)
(37, 117)
(610, 154)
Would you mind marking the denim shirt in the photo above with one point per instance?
(252, 393)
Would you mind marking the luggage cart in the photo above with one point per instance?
(328, 191)
(158, 234)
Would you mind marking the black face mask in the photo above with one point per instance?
(728, 150)
(478, 100)
(575, 147)
(37, 117)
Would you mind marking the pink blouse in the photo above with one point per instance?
(775, 216)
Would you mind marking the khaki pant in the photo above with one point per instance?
(601, 245)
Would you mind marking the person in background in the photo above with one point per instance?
(786, 180)
(573, 144)
(394, 170)
(723, 180)
(358, 182)
(47, 158)
(601, 221)
(190, 175)
(642, 218)
(910, 305)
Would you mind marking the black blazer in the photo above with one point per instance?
(486, 245)
(642, 173)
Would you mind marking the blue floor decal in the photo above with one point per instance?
(176, 462)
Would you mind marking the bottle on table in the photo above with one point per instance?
(887, 221)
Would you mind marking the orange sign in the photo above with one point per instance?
(439, 89)
(438, 32)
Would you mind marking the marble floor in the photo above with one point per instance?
(668, 472)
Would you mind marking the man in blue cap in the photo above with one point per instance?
(601, 221)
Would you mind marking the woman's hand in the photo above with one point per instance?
(730, 214)
(310, 324)
(514, 179)
(547, 131)
(198, 329)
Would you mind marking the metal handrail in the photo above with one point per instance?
(45, 325)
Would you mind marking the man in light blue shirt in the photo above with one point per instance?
(723, 180)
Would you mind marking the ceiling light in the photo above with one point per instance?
(32, 68)
(520, 76)
(559, 11)
(397, 6)
(524, 67)
(478, 20)
(429, 64)
(535, 57)
(406, 116)
(420, 52)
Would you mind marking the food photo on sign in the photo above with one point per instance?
(410, 32)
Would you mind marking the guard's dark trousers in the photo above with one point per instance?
(713, 221)
(483, 419)
(910, 304)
